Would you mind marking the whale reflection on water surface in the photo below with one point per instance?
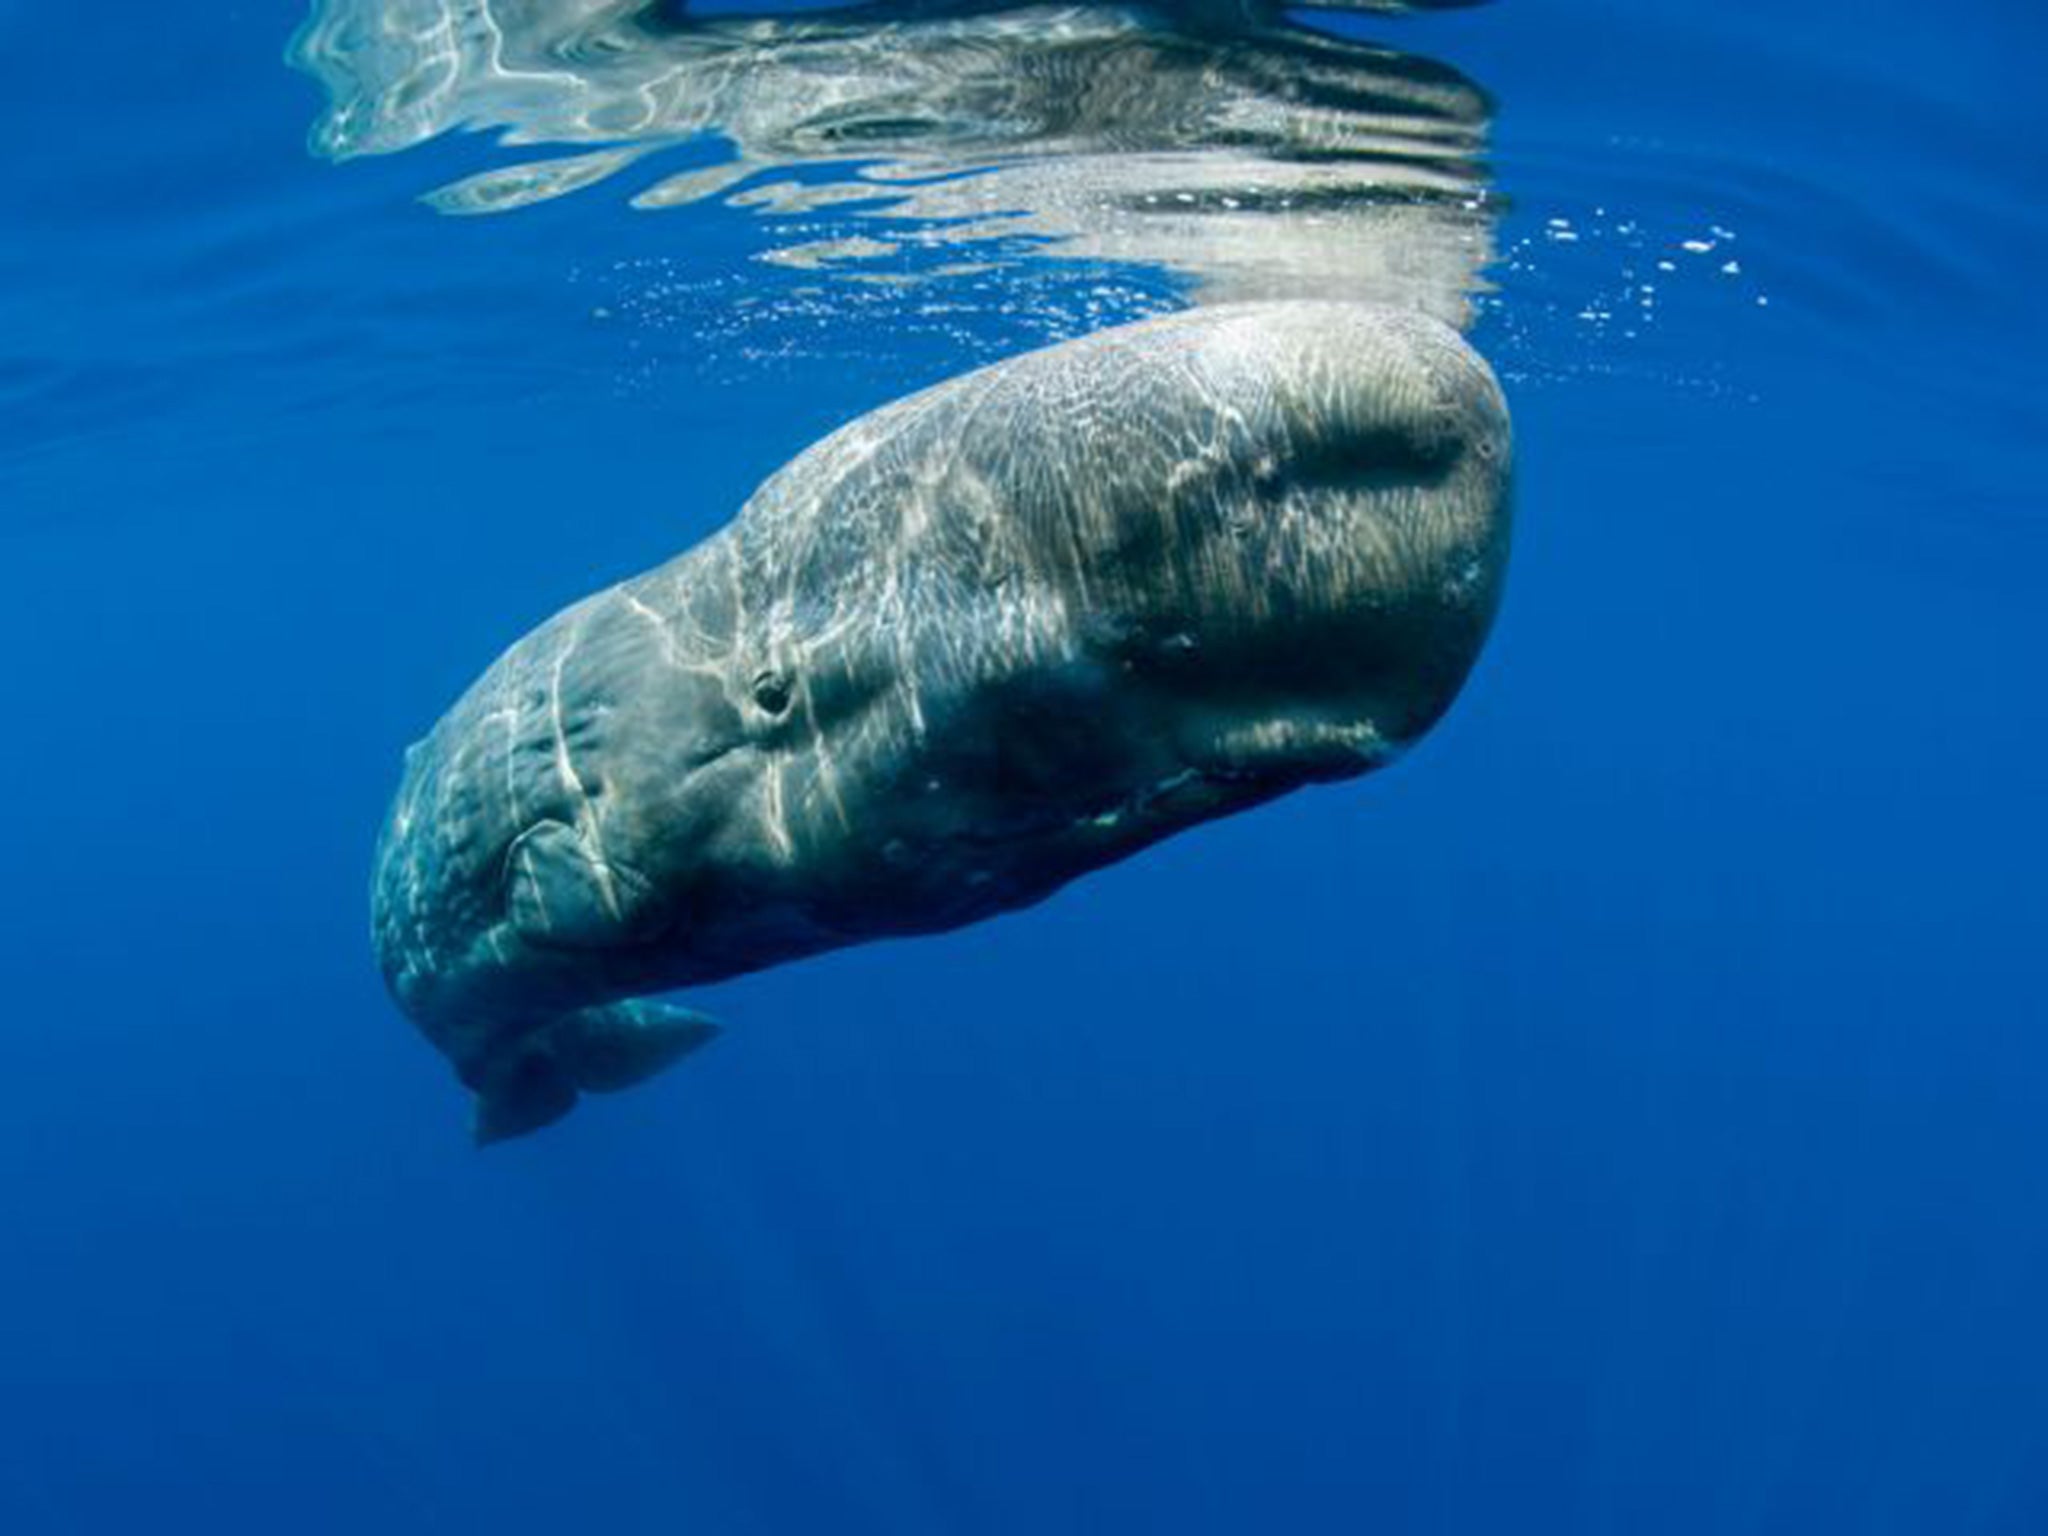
(1249, 156)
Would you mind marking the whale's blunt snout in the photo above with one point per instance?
(1399, 399)
(1352, 564)
(1387, 422)
(1419, 435)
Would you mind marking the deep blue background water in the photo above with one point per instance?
(1627, 1115)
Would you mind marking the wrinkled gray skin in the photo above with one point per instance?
(969, 647)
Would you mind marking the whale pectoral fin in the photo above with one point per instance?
(593, 1050)
(533, 1092)
(562, 894)
(616, 1045)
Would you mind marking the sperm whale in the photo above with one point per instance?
(958, 653)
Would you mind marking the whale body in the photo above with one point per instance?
(974, 644)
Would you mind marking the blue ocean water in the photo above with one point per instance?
(1626, 1115)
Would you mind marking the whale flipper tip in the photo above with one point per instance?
(593, 1050)
(616, 1045)
(532, 1093)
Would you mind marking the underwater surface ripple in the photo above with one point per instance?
(1624, 1116)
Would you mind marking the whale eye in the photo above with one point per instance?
(771, 692)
